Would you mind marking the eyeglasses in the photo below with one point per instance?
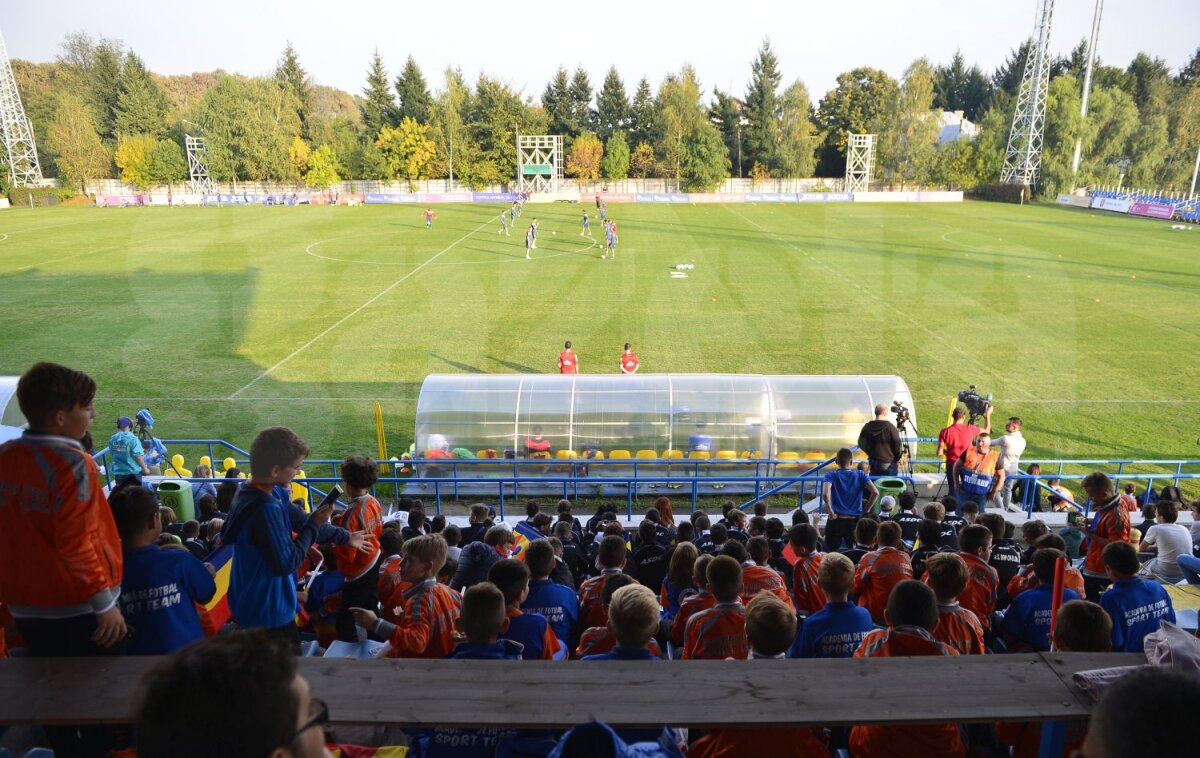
(318, 711)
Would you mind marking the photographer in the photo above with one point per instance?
(880, 440)
(957, 438)
(1011, 446)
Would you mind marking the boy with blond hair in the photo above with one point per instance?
(425, 623)
(600, 639)
(633, 617)
(957, 627)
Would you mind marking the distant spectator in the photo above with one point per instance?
(1149, 518)
(1011, 446)
(719, 632)
(206, 509)
(957, 627)
(1026, 625)
(556, 603)
(864, 539)
(806, 590)
(1110, 523)
(610, 560)
(127, 461)
(879, 439)
(702, 600)
(677, 585)
(983, 583)
(191, 537)
(478, 522)
(203, 489)
(906, 517)
(1072, 535)
(244, 699)
(532, 630)
(1031, 532)
(453, 535)
(843, 491)
(1168, 541)
(1026, 492)
(1005, 556)
(880, 570)
(956, 439)
(928, 543)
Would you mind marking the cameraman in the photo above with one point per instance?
(1011, 445)
(880, 440)
(957, 438)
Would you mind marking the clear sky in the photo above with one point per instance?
(814, 40)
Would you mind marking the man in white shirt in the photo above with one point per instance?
(1011, 445)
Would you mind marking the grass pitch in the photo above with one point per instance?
(226, 320)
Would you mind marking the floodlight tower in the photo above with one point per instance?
(1087, 82)
(24, 170)
(1023, 158)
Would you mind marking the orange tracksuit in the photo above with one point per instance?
(688, 608)
(361, 515)
(426, 628)
(904, 741)
(717, 633)
(600, 639)
(591, 611)
(756, 579)
(959, 629)
(1112, 523)
(1072, 580)
(983, 585)
(809, 595)
(391, 588)
(60, 555)
(877, 573)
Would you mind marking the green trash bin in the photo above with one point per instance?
(888, 486)
(176, 494)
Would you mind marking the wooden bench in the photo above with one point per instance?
(707, 694)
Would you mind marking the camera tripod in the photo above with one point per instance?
(904, 466)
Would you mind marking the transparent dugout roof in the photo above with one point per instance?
(667, 414)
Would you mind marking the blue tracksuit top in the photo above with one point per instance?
(835, 631)
(558, 604)
(1136, 606)
(1027, 619)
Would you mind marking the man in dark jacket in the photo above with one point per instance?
(476, 559)
(880, 440)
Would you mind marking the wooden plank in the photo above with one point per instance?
(549, 694)
(1064, 665)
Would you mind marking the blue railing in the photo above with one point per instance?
(763, 477)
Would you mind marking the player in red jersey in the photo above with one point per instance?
(629, 362)
(429, 214)
(568, 362)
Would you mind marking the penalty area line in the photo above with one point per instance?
(355, 312)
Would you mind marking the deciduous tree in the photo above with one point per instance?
(133, 157)
(322, 169)
(615, 164)
(857, 105)
(407, 150)
(583, 159)
(798, 137)
(82, 157)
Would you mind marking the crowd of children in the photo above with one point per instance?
(94, 575)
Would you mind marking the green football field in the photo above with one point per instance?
(1087, 324)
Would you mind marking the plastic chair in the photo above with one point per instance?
(176, 467)
(726, 455)
(205, 461)
(621, 455)
(699, 455)
(566, 455)
(674, 455)
(790, 467)
(817, 457)
(647, 455)
(300, 492)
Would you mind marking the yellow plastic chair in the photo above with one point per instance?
(675, 455)
(566, 455)
(598, 455)
(699, 455)
(176, 468)
(227, 464)
(813, 458)
(622, 455)
(205, 461)
(647, 455)
(726, 455)
(790, 455)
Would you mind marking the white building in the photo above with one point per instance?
(953, 125)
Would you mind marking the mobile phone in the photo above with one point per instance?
(332, 497)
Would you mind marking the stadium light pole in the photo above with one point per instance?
(1087, 83)
(1195, 171)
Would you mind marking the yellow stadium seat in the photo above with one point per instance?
(227, 464)
(205, 461)
(726, 455)
(566, 455)
(674, 455)
(647, 455)
(597, 455)
(790, 456)
(619, 455)
(813, 458)
(176, 467)
(300, 492)
(699, 455)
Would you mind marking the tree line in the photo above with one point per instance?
(97, 112)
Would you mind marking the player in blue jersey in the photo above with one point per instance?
(587, 225)
(503, 225)
(528, 242)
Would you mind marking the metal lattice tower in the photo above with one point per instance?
(1023, 158)
(23, 167)
(860, 159)
(539, 162)
(197, 155)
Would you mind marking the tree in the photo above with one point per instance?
(681, 117)
(726, 115)
(1190, 73)
(616, 157)
(556, 101)
(642, 163)
(643, 115)
(798, 138)
(292, 77)
(248, 125)
(958, 88)
(141, 105)
(762, 109)
(407, 150)
(167, 163)
(93, 69)
(1062, 127)
(413, 94)
(1184, 121)
(909, 137)
(378, 107)
(705, 161)
(1149, 83)
(133, 158)
(454, 148)
(299, 154)
(857, 105)
(957, 165)
(322, 169)
(494, 114)
(82, 157)
(583, 159)
(1007, 76)
(612, 106)
(579, 95)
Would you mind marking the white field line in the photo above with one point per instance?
(949, 345)
(355, 312)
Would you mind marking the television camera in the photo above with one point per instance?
(977, 405)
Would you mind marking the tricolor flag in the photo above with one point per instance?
(218, 607)
(525, 533)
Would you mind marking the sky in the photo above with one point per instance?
(523, 43)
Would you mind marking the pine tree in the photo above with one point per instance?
(643, 117)
(557, 103)
(1190, 73)
(1007, 76)
(612, 106)
(378, 107)
(292, 77)
(141, 105)
(413, 93)
(761, 138)
(726, 114)
(958, 88)
(580, 97)
(104, 79)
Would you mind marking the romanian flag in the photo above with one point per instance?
(525, 533)
(357, 751)
(218, 607)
